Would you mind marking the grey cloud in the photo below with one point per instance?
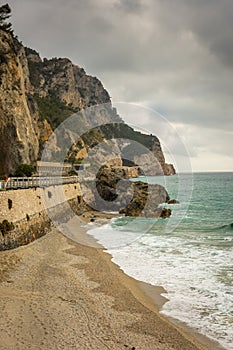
(173, 55)
(100, 24)
(131, 6)
(210, 20)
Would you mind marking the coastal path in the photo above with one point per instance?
(15, 183)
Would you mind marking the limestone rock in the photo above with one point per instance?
(146, 201)
(173, 201)
(19, 117)
(136, 199)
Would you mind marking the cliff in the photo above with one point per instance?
(38, 95)
(19, 131)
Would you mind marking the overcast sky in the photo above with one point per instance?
(173, 56)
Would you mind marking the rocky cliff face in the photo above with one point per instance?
(64, 80)
(19, 131)
(38, 95)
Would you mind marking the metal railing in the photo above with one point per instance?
(15, 183)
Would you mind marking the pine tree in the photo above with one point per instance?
(5, 14)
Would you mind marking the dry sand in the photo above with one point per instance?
(57, 294)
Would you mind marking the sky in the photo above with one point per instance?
(172, 59)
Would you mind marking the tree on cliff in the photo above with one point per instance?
(24, 170)
(5, 14)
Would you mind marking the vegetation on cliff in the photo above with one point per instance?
(37, 95)
(24, 170)
(53, 109)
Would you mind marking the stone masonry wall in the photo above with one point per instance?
(25, 209)
(29, 201)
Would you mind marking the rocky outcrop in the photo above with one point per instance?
(69, 82)
(146, 200)
(38, 95)
(136, 199)
(168, 169)
(173, 201)
(131, 171)
(140, 150)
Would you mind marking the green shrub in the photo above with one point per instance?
(24, 170)
(53, 109)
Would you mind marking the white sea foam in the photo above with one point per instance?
(194, 276)
(190, 254)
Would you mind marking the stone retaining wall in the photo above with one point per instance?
(15, 205)
(25, 209)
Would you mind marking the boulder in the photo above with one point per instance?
(137, 199)
(173, 201)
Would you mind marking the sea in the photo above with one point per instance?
(190, 254)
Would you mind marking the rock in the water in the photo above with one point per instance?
(146, 200)
(165, 213)
(130, 198)
(173, 201)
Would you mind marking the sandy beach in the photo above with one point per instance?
(58, 294)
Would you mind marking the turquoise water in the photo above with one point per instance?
(190, 254)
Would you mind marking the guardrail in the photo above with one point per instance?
(15, 183)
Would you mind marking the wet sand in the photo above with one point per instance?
(59, 294)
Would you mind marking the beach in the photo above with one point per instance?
(58, 294)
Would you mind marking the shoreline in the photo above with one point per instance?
(129, 308)
(151, 296)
